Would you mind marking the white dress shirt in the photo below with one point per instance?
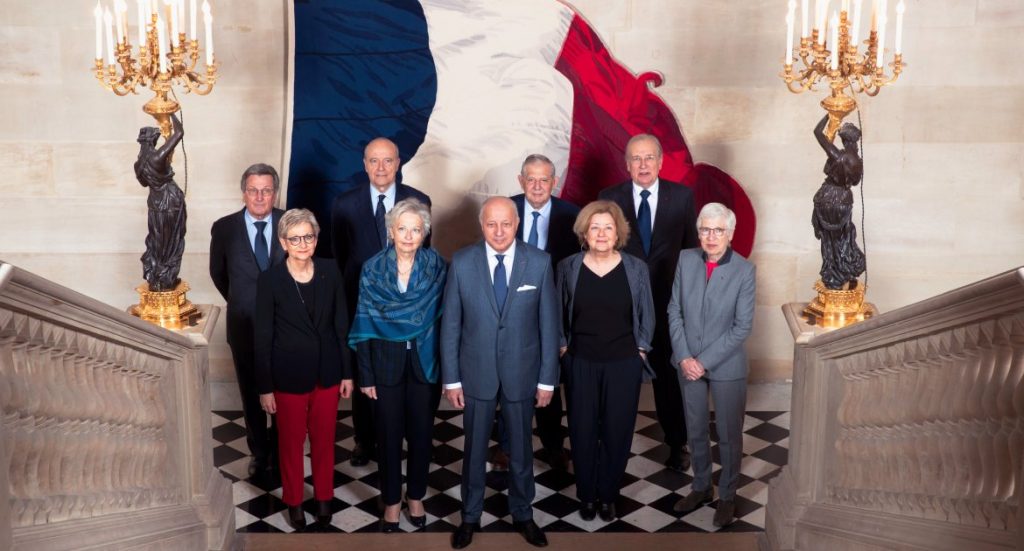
(268, 230)
(389, 197)
(652, 199)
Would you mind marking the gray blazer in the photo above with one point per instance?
(639, 289)
(710, 320)
(516, 350)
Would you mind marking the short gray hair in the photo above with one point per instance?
(262, 169)
(294, 217)
(409, 206)
(498, 199)
(537, 158)
(644, 138)
(717, 210)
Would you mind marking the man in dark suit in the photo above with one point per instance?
(662, 222)
(242, 245)
(546, 223)
(499, 344)
(358, 232)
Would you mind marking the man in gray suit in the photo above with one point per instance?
(499, 344)
(710, 316)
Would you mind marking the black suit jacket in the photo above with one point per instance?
(562, 241)
(675, 229)
(233, 270)
(354, 233)
(294, 352)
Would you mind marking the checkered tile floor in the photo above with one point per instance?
(648, 490)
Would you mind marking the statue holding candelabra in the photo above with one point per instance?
(841, 63)
(166, 58)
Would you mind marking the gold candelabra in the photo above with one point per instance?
(159, 63)
(840, 60)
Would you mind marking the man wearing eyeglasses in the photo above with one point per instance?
(662, 220)
(358, 232)
(242, 245)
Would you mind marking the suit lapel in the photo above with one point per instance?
(276, 252)
(515, 278)
(625, 201)
(521, 209)
(483, 273)
(662, 215)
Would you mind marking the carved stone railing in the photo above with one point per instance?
(907, 430)
(104, 427)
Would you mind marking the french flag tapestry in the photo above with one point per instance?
(467, 89)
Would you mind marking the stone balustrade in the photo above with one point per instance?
(908, 429)
(104, 427)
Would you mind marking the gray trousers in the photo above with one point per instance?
(477, 420)
(730, 406)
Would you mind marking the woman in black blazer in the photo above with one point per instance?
(300, 330)
(395, 335)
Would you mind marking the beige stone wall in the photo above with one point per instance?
(944, 147)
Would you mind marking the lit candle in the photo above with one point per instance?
(803, 17)
(858, 6)
(900, 8)
(142, 22)
(161, 38)
(192, 20)
(834, 40)
(790, 15)
(108, 24)
(208, 23)
(98, 15)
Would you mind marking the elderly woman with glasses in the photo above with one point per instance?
(607, 325)
(395, 336)
(710, 315)
(300, 330)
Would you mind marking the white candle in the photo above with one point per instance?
(181, 16)
(161, 38)
(900, 8)
(108, 24)
(174, 22)
(834, 40)
(142, 22)
(881, 42)
(122, 22)
(858, 6)
(790, 15)
(98, 15)
(874, 15)
(846, 6)
(208, 23)
(192, 19)
(803, 17)
(821, 18)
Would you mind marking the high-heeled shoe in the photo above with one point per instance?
(323, 512)
(417, 521)
(296, 518)
(389, 527)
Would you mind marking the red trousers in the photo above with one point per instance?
(315, 413)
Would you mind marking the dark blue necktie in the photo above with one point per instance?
(378, 216)
(532, 240)
(260, 248)
(500, 282)
(643, 221)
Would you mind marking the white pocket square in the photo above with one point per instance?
(526, 288)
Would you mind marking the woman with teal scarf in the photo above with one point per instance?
(395, 337)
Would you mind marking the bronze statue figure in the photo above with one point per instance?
(165, 241)
(842, 261)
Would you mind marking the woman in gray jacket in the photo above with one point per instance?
(607, 323)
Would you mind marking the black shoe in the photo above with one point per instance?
(531, 532)
(323, 512)
(588, 511)
(725, 514)
(296, 518)
(498, 460)
(418, 522)
(257, 466)
(678, 460)
(389, 527)
(693, 501)
(463, 535)
(361, 456)
(557, 458)
(607, 512)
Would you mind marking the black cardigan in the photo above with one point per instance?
(293, 352)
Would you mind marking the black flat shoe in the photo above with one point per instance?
(418, 522)
(588, 511)
(463, 535)
(607, 512)
(296, 518)
(323, 512)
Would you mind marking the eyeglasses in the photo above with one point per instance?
(717, 232)
(636, 159)
(296, 239)
(535, 181)
(253, 192)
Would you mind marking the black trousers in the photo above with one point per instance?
(603, 398)
(262, 441)
(363, 418)
(404, 411)
(668, 399)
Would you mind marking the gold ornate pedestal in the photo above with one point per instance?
(835, 308)
(168, 309)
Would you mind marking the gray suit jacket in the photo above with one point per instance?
(639, 289)
(710, 320)
(515, 350)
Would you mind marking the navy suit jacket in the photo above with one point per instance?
(354, 233)
(514, 350)
(233, 270)
(562, 241)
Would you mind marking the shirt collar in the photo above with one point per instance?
(726, 257)
(509, 252)
(250, 219)
(653, 189)
(545, 211)
(389, 194)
